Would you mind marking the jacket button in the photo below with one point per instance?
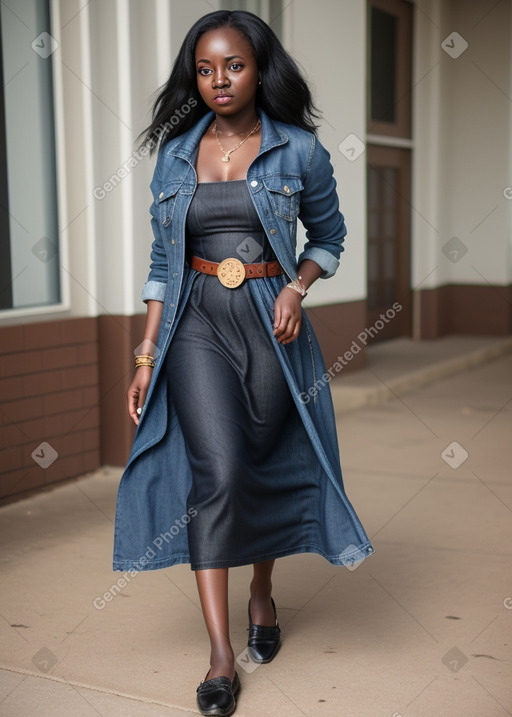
(286, 189)
(254, 183)
(173, 241)
(160, 195)
(272, 231)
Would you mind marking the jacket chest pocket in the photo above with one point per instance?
(284, 195)
(167, 201)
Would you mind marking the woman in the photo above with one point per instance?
(235, 458)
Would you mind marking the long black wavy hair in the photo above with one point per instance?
(283, 94)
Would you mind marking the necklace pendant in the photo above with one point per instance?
(225, 158)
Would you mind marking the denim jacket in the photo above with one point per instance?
(291, 178)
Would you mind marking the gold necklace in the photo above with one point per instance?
(226, 153)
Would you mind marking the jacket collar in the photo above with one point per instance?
(271, 136)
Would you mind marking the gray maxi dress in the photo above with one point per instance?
(232, 399)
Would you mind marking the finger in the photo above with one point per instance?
(287, 329)
(142, 399)
(281, 328)
(277, 316)
(294, 334)
(132, 400)
(293, 328)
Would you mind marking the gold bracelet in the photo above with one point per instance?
(144, 361)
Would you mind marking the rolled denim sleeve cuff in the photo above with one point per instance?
(323, 258)
(154, 290)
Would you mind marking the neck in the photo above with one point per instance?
(241, 123)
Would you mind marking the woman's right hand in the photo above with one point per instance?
(137, 392)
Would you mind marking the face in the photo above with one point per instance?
(227, 74)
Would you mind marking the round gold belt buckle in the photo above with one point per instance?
(231, 273)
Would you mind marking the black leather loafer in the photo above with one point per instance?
(264, 640)
(217, 696)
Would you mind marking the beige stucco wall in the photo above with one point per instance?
(462, 133)
(113, 55)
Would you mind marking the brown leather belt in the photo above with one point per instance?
(232, 272)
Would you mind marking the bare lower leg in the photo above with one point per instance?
(262, 612)
(213, 593)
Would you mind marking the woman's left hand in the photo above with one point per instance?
(287, 315)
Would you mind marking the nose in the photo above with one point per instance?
(219, 78)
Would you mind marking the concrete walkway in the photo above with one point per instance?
(421, 628)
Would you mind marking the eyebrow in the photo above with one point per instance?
(229, 57)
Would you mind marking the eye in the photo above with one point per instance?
(205, 71)
(236, 66)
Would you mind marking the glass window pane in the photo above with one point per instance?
(390, 181)
(383, 66)
(5, 244)
(389, 224)
(373, 185)
(373, 224)
(382, 235)
(388, 293)
(388, 264)
(29, 198)
(373, 262)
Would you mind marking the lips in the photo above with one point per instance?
(222, 99)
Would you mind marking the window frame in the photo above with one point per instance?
(402, 127)
(63, 307)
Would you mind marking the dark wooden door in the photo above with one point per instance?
(389, 183)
